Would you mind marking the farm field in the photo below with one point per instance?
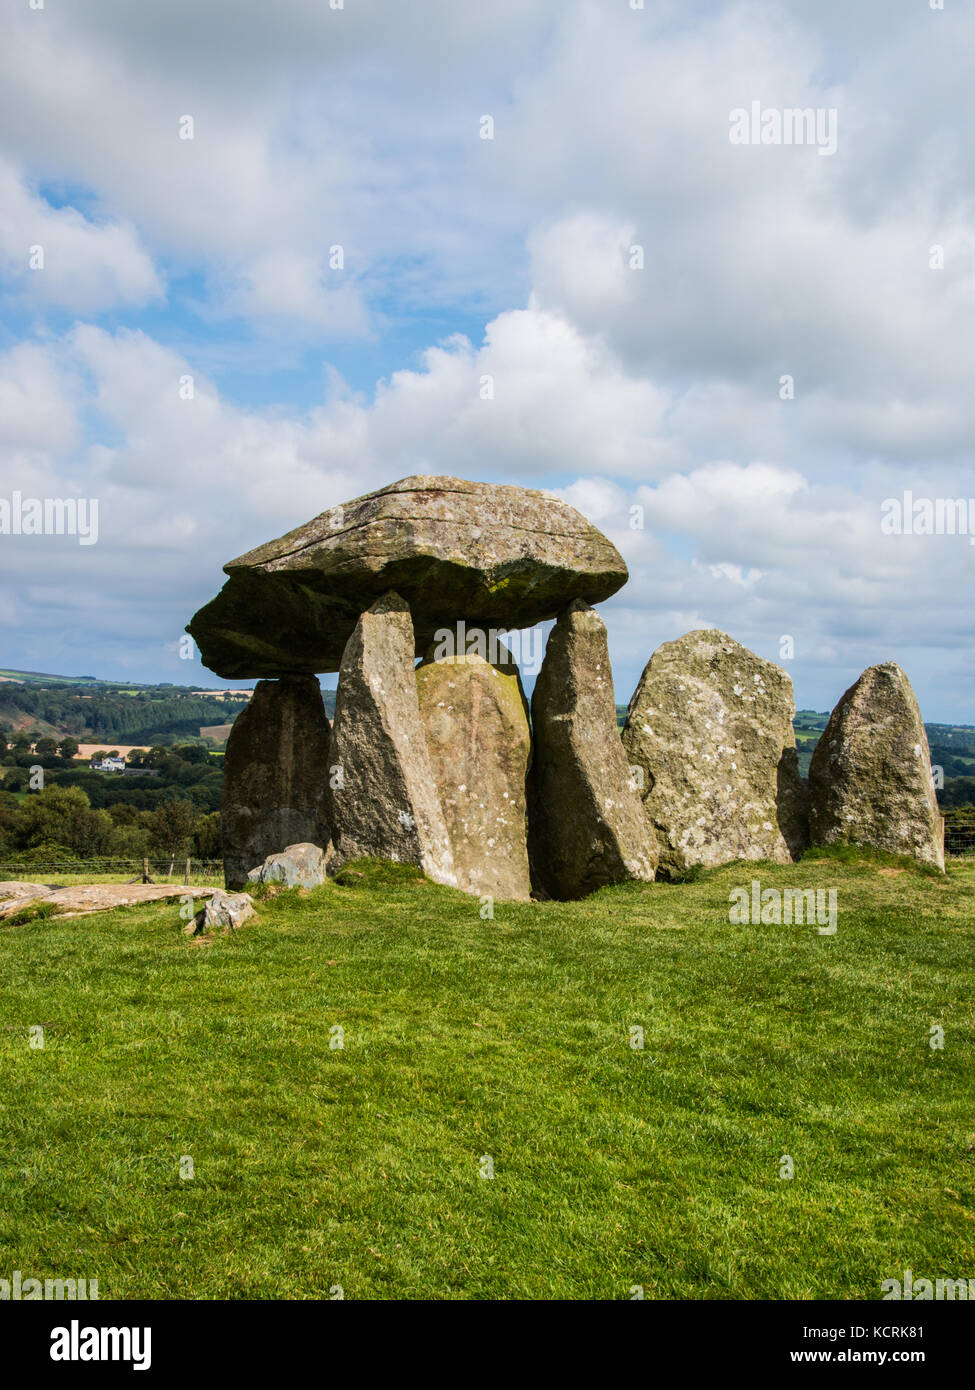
(473, 1043)
(218, 732)
(88, 750)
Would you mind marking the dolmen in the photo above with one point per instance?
(435, 757)
(430, 764)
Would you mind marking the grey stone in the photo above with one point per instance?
(224, 912)
(297, 866)
(16, 888)
(587, 824)
(385, 804)
(709, 729)
(870, 777)
(506, 557)
(275, 788)
(79, 899)
(476, 722)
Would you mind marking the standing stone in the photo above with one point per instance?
(587, 825)
(870, 776)
(275, 775)
(710, 730)
(476, 720)
(384, 800)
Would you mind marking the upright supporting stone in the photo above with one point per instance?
(587, 825)
(476, 722)
(870, 777)
(710, 731)
(384, 800)
(275, 775)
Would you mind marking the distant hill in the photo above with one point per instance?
(110, 712)
(43, 678)
(119, 712)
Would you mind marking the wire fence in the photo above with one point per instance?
(959, 839)
(165, 870)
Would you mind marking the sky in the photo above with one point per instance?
(281, 246)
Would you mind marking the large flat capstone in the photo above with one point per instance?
(503, 557)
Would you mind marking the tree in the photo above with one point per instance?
(9, 813)
(208, 836)
(171, 827)
(129, 842)
(192, 752)
(155, 757)
(958, 791)
(63, 816)
(91, 834)
(68, 748)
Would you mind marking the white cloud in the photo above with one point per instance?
(758, 549)
(291, 286)
(37, 403)
(54, 256)
(613, 385)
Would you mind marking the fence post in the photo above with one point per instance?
(145, 870)
(186, 880)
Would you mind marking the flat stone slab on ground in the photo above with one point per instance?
(17, 888)
(80, 898)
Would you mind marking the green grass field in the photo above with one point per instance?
(467, 1039)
